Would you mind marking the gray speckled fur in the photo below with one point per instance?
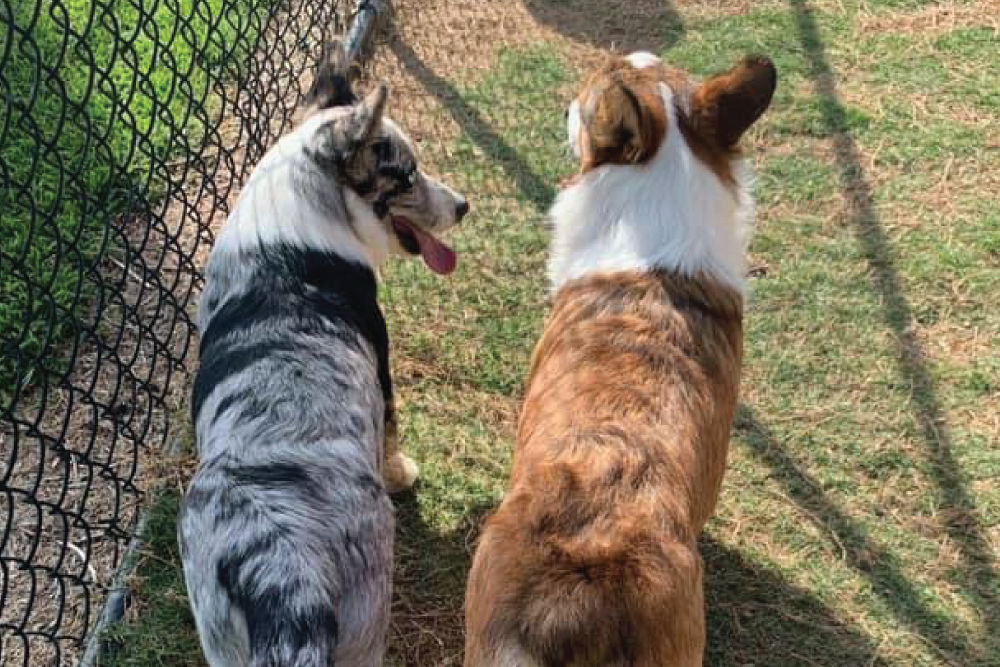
(287, 509)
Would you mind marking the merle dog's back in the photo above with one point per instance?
(286, 530)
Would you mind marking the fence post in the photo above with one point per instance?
(361, 28)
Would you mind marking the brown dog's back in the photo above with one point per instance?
(592, 558)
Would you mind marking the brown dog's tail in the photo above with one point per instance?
(631, 605)
(582, 602)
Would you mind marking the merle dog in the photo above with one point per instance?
(286, 531)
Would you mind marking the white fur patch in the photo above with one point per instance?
(511, 655)
(270, 209)
(573, 123)
(643, 59)
(400, 473)
(672, 213)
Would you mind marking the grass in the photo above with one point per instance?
(860, 515)
(161, 617)
(101, 96)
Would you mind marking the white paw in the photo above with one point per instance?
(400, 473)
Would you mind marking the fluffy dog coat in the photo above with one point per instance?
(592, 558)
(286, 531)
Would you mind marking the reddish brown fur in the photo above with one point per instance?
(592, 558)
(624, 121)
(623, 117)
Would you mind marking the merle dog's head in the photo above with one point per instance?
(369, 154)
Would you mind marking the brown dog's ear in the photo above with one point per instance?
(729, 103)
(338, 140)
(332, 86)
(623, 120)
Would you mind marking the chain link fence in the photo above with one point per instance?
(125, 131)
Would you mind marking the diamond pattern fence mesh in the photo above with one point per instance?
(126, 128)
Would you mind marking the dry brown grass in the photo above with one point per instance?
(104, 471)
(933, 20)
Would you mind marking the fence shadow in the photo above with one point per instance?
(536, 189)
(615, 25)
(861, 554)
(620, 24)
(960, 519)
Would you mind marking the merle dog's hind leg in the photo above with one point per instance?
(400, 471)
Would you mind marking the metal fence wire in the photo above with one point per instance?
(126, 128)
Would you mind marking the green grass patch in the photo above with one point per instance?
(159, 631)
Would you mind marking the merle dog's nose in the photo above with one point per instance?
(461, 209)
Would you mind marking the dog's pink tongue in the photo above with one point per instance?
(438, 256)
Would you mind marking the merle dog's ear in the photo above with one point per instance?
(727, 104)
(332, 86)
(336, 141)
(367, 116)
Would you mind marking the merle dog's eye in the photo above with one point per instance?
(411, 176)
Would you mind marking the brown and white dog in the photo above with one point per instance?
(592, 558)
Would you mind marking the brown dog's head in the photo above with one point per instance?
(621, 115)
(371, 155)
(660, 184)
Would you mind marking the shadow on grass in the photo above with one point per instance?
(754, 615)
(616, 25)
(534, 188)
(429, 587)
(860, 553)
(959, 517)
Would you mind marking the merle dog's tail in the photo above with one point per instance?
(258, 599)
(274, 578)
(289, 612)
(294, 638)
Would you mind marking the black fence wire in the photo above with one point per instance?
(125, 130)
